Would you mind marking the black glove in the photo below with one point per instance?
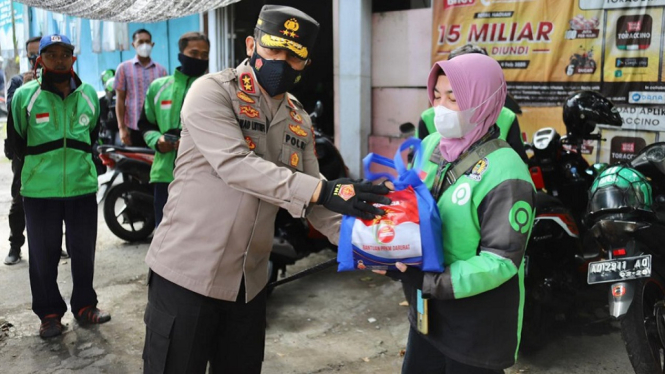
(412, 276)
(351, 197)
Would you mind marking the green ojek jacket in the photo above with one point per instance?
(475, 305)
(163, 103)
(55, 137)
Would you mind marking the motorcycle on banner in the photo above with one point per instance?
(627, 214)
(555, 255)
(581, 63)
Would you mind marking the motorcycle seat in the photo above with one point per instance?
(106, 148)
(544, 200)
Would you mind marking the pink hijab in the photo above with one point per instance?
(473, 78)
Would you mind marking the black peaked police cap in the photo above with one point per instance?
(283, 27)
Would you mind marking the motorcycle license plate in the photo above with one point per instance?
(619, 269)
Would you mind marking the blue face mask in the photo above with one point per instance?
(275, 76)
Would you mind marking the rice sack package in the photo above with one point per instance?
(409, 232)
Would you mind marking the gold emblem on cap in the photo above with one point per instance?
(292, 26)
(271, 41)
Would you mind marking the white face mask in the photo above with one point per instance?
(452, 124)
(144, 50)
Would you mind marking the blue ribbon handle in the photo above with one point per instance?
(374, 158)
(417, 154)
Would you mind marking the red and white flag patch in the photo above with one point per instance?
(42, 117)
(166, 104)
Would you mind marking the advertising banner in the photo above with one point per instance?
(549, 49)
(6, 34)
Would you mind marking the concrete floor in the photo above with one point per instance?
(327, 322)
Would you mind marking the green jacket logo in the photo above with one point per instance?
(84, 120)
(520, 216)
(462, 194)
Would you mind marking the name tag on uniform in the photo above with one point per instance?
(421, 309)
(166, 104)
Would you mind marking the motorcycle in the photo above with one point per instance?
(626, 210)
(557, 252)
(128, 205)
(581, 63)
(295, 238)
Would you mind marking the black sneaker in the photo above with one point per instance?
(50, 327)
(14, 256)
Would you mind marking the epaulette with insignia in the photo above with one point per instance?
(293, 102)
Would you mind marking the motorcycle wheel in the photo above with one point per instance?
(128, 224)
(642, 327)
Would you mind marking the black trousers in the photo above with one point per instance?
(136, 137)
(161, 195)
(16, 213)
(423, 358)
(44, 219)
(186, 330)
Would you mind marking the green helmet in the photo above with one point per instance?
(108, 86)
(620, 189)
(107, 74)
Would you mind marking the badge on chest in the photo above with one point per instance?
(294, 141)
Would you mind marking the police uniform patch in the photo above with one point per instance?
(297, 130)
(249, 111)
(296, 117)
(294, 141)
(247, 83)
(250, 143)
(244, 97)
(288, 100)
(252, 126)
(84, 120)
(479, 169)
(294, 159)
(345, 191)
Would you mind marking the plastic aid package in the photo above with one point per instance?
(409, 232)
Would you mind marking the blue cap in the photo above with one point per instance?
(55, 39)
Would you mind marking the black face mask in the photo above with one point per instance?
(32, 59)
(192, 66)
(55, 76)
(275, 76)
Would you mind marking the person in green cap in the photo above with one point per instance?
(54, 124)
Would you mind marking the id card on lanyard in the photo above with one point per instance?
(421, 309)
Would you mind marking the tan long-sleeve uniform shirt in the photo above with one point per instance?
(238, 163)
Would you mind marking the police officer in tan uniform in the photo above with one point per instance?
(246, 150)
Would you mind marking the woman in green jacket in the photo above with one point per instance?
(486, 199)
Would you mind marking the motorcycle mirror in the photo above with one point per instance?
(407, 128)
(318, 110)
